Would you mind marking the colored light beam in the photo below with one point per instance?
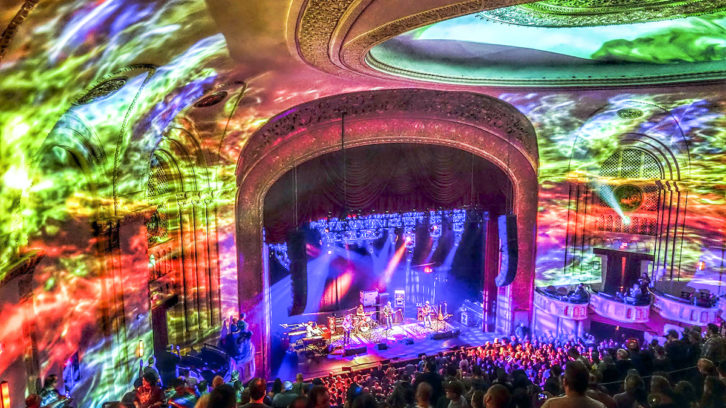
(392, 264)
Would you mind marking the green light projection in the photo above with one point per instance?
(473, 49)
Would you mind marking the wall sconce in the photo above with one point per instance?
(5, 394)
(140, 349)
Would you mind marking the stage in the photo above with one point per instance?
(403, 342)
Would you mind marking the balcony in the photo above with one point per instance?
(615, 309)
(559, 307)
(684, 311)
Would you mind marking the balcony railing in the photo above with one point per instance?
(614, 309)
(560, 308)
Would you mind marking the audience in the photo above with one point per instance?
(687, 371)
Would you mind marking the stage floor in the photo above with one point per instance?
(395, 340)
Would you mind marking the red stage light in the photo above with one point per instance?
(5, 394)
(428, 269)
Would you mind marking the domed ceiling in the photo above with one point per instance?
(566, 42)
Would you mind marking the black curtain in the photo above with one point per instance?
(380, 178)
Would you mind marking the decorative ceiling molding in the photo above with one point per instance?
(335, 35)
(9, 33)
(463, 107)
(580, 13)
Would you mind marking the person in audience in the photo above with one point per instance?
(455, 395)
(497, 396)
(598, 392)
(285, 398)
(32, 401)
(50, 396)
(183, 397)
(714, 347)
(714, 393)
(299, 402)
(203, 401)
(150, 394)
(477, 399)
(217, 381)
(661, 394)
(319, 397)
(222, 397)
(299, 386)
(424, 393)
(151, 368)
(623, 363)
(685, 395)
(433, 379)
(634, 394)
(575, 383)
(257, 391)
(365, 400)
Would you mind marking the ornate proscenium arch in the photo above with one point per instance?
(476, 123)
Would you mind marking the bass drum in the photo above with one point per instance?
(364, 327)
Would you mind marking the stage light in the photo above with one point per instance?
(5, 394)
(701, 265)
(428, 269)
(140, 349)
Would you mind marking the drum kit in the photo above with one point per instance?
(364, 324)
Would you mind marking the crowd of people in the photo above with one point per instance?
(688, 370)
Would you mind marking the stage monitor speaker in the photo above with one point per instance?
(507, 225)
(444, 335)
(354, 350)
(382, 346)
(406, 340)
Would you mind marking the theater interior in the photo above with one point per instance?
(256, 189)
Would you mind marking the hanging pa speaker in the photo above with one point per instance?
(508, 249)
(298, 271)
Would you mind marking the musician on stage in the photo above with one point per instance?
(347, 327)
(427, 311)
(388, 315)
(360, 312)
(313, 330)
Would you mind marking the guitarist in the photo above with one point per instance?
(388, 315)
(347, 327)
(427, 311)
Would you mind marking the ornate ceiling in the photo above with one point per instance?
(558, 43)
(578, 13)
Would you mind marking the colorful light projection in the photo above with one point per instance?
(70, 162)
(472, 49)
(575, 144)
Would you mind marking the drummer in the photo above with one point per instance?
(360, 312)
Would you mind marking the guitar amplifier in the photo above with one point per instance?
(368, 297)
(399, 298)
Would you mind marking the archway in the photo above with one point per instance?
(475, 123)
